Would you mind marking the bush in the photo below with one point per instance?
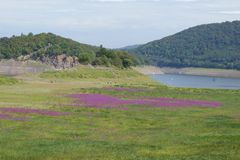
(86, 58)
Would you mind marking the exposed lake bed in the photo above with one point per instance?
(212, 72)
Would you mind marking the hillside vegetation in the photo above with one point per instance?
(41, 44)
(49, 45)
(212, 46)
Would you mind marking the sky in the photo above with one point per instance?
(112, 23)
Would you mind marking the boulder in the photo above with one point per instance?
(61, 61)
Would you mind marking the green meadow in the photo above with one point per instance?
(138, 133)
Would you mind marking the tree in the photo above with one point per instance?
(30, 34)
(86, 58)
(127, 63)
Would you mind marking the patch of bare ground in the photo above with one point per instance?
(189, 71)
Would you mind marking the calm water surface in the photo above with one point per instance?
(191, 81)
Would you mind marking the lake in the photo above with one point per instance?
(191, 81)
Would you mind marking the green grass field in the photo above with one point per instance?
(139, 133)
(5, 80)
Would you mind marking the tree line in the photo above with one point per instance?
(48, 44)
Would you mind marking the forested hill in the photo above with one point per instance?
(213, 46)
(43, 45)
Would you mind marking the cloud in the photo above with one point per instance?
(186, 0)
(139, 0)
(228, 12)
(107, 0)
(109, 22)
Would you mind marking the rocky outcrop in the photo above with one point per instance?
(61, 61)
(24, 58)
(58, 62)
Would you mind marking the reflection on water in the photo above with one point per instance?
(191, 81)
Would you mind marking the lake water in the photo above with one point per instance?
(190, 81)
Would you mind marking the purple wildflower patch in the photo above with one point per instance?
(107, 101)
(4, 116)
(125, 89)
(98, 100)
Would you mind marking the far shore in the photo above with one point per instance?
(148, 70)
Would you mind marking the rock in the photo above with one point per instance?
(20, 58)
(24, 58)
(61, 61)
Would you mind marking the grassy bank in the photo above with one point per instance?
(6, 80)
(140, 132)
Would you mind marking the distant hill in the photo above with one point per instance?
(213, 46)
(130, 47)
(41, 44)
(60, 52)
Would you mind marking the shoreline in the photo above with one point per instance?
(211, 72)
(148, 70)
